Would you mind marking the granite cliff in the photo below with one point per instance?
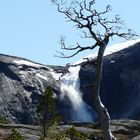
(21, 85)
(120, 87)
(22, 82)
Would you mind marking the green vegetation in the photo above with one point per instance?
(42, 138)
(56, 133)
(47, 110)
(50, 119)
(3, 120)
(15, 135)
(74, 134)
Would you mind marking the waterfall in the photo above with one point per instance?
(70, 87)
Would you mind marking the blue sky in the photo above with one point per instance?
(32, 28)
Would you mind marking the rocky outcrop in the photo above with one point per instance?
(21, 85)
(22, 82)
(121, 129)
(120, 87)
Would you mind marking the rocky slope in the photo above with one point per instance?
(22, 83)
(120, 87)
(122, 130)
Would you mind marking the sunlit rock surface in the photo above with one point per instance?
(21, 85)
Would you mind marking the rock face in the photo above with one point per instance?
(120, 87)
(21, 85)
(22, 82)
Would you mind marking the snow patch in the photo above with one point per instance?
(109, 50)
(120, 46)
(41, 76)
(28, 63)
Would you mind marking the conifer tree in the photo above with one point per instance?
(47, 109)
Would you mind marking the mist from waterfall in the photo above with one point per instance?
(70, 87)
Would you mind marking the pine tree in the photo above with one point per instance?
(47, 109)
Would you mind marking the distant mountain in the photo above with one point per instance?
(22, 82)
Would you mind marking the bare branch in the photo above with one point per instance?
(127, 35)
(85, 63)
(76, 49)
(84, 16)
(86, 35)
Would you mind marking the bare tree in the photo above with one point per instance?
(97, 26)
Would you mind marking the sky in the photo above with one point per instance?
(32, 28)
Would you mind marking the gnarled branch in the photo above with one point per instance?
(77, 49)
(85, 16)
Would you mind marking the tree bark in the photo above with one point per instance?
(103, 114)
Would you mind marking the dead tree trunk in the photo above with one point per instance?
(103, 114)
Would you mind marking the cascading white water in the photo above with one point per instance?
(70, 87)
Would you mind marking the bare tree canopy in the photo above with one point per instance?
(95, 25)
